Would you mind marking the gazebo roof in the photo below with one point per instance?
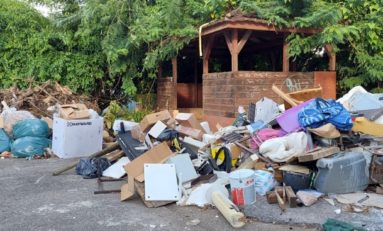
(249, 23)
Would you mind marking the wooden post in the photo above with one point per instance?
(285, 57)
(331, 57)
(195, 103)
(206, 54)
(236, 46)
(175, 77)
(234, 53)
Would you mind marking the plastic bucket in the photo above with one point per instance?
(242, 187)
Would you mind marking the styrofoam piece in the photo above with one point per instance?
(198, 196)
(208, 139)
(184, 167)
(156, 130)
(116, 170)
(193, 142)
(161, 182)
(206, 127)
(128, 125)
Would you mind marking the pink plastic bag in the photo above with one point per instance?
(265, 134)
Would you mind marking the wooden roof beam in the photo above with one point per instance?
(257, 26)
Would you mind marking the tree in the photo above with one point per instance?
(354, 28)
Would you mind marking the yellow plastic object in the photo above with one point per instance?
(221, 156)
(362, 124)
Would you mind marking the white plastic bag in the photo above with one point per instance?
(263, 182)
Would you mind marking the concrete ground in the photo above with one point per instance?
(33, 199)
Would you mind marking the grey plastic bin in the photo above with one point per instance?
(342, 173)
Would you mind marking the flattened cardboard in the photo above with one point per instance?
(188, 120)
(151, 119)
(295, 168)
(127, 190)
(135, 169)
(74, 111)
(192, 132)
(157, 154)
(234, 150)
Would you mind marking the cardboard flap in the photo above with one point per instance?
(157, 154)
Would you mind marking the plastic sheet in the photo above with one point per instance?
(11, 117)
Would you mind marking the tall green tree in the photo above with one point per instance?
(353, 27)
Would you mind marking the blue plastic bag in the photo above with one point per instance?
(5, 142)
(30, 127)
(29, 146)
(320, 112)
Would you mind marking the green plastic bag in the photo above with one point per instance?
(29, 146)
(5, 142)
(30, 127)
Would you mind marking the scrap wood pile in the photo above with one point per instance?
(37, 99)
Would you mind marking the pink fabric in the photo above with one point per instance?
(265, 134)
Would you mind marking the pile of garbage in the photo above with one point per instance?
(315, 148)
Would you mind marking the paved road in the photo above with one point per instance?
(32, 199)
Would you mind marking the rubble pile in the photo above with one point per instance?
(37, 99)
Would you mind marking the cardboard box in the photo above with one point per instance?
(77, 138)
(74, 111)
(192, 132)
(151, 119)
(135, 169)
(138, 134)
(188, 120)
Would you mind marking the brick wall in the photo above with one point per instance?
(224, 92)
(166, 94)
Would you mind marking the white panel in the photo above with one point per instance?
(161, 182)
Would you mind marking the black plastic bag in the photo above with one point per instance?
(92, 168)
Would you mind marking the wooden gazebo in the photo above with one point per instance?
(234, 42)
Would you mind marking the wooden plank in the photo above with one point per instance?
(285, 57)
(317, 154)
(283, 95)
(228, 41)
(272, 197)
(234, 54)
(291, 197)
(206, 55)
(243, 41)
(251, 25)
(281, 202)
